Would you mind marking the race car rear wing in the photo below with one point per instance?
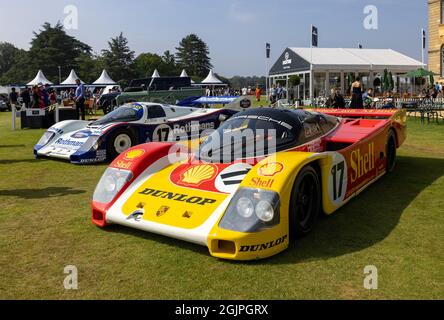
(362, 113)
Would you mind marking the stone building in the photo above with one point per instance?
(436, 38)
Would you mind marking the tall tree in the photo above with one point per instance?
(8, 53)
(89, 67)
(193, 55)
(51, 48)
(146, 63)
(118, 59)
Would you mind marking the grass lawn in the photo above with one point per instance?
(397, 225)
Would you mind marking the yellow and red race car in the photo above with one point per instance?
(258, 181)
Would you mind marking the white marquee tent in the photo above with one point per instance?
(155, 74)
(104, 79)
(184, 74)
(71, 80)
(211, 79)
(39, 78)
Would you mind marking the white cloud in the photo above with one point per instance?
(242, 13)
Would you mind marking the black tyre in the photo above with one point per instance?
(305, 202)
(119, 142)
(391, 151)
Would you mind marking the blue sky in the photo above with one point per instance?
(235, 30)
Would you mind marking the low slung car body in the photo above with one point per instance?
(248, 204)
(84, 142)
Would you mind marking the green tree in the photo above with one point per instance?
(118, 59)
(146, 63)
(90, 67)
(8, 54)
(193, 55)
(19, 72)
(51, 48)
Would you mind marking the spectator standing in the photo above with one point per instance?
(53, 97)
(356, 92)
(13, 98)
(26, 97)
(258, 93)
(80, 99)
(244, 91)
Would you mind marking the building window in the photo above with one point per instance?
(442, 61)
(442, 11)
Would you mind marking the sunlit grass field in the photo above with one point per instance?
(396, 225)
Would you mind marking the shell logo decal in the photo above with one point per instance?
(134, 154)
(271, 169)
(198, 174)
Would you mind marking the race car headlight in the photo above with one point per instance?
(245, 207)
(112, 181)
(265, 211)
(47, 136)
(252, 210)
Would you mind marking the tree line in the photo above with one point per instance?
(51, 48)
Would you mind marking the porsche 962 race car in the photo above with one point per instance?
(83, 142)
(258, 181)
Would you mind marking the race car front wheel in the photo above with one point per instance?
(119, 143)
(391, 151)
(305, 202)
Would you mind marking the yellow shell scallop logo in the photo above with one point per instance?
(198, 174)
(271, 169)
(134, 154)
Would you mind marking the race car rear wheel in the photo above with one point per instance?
(121, 141)
(391, 151)
(305, 202)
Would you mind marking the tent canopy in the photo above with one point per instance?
(211, 79)
(39, 78)
(104, 79)
(184, 74)
(71, 80)
(299, 59)
(155, 74)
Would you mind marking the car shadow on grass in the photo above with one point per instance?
(369, 218)
(360, 224)
(12, 146)
(50, 192)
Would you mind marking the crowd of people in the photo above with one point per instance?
(38, 96)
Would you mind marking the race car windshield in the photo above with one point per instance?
(126, 113)
(242, 138)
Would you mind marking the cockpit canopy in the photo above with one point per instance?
(261, 132)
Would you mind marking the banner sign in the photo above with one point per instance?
(314, 36)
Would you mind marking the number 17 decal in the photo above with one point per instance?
(337, 180)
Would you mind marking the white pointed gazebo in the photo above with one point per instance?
(39, 78)
(71, 80)
(155, 74)
(212, 80)
(104, 79)
(184, 74)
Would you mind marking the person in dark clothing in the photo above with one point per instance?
(339, 101)
(80, 99)
(26, 97)
(13, 97)
(356, 91)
